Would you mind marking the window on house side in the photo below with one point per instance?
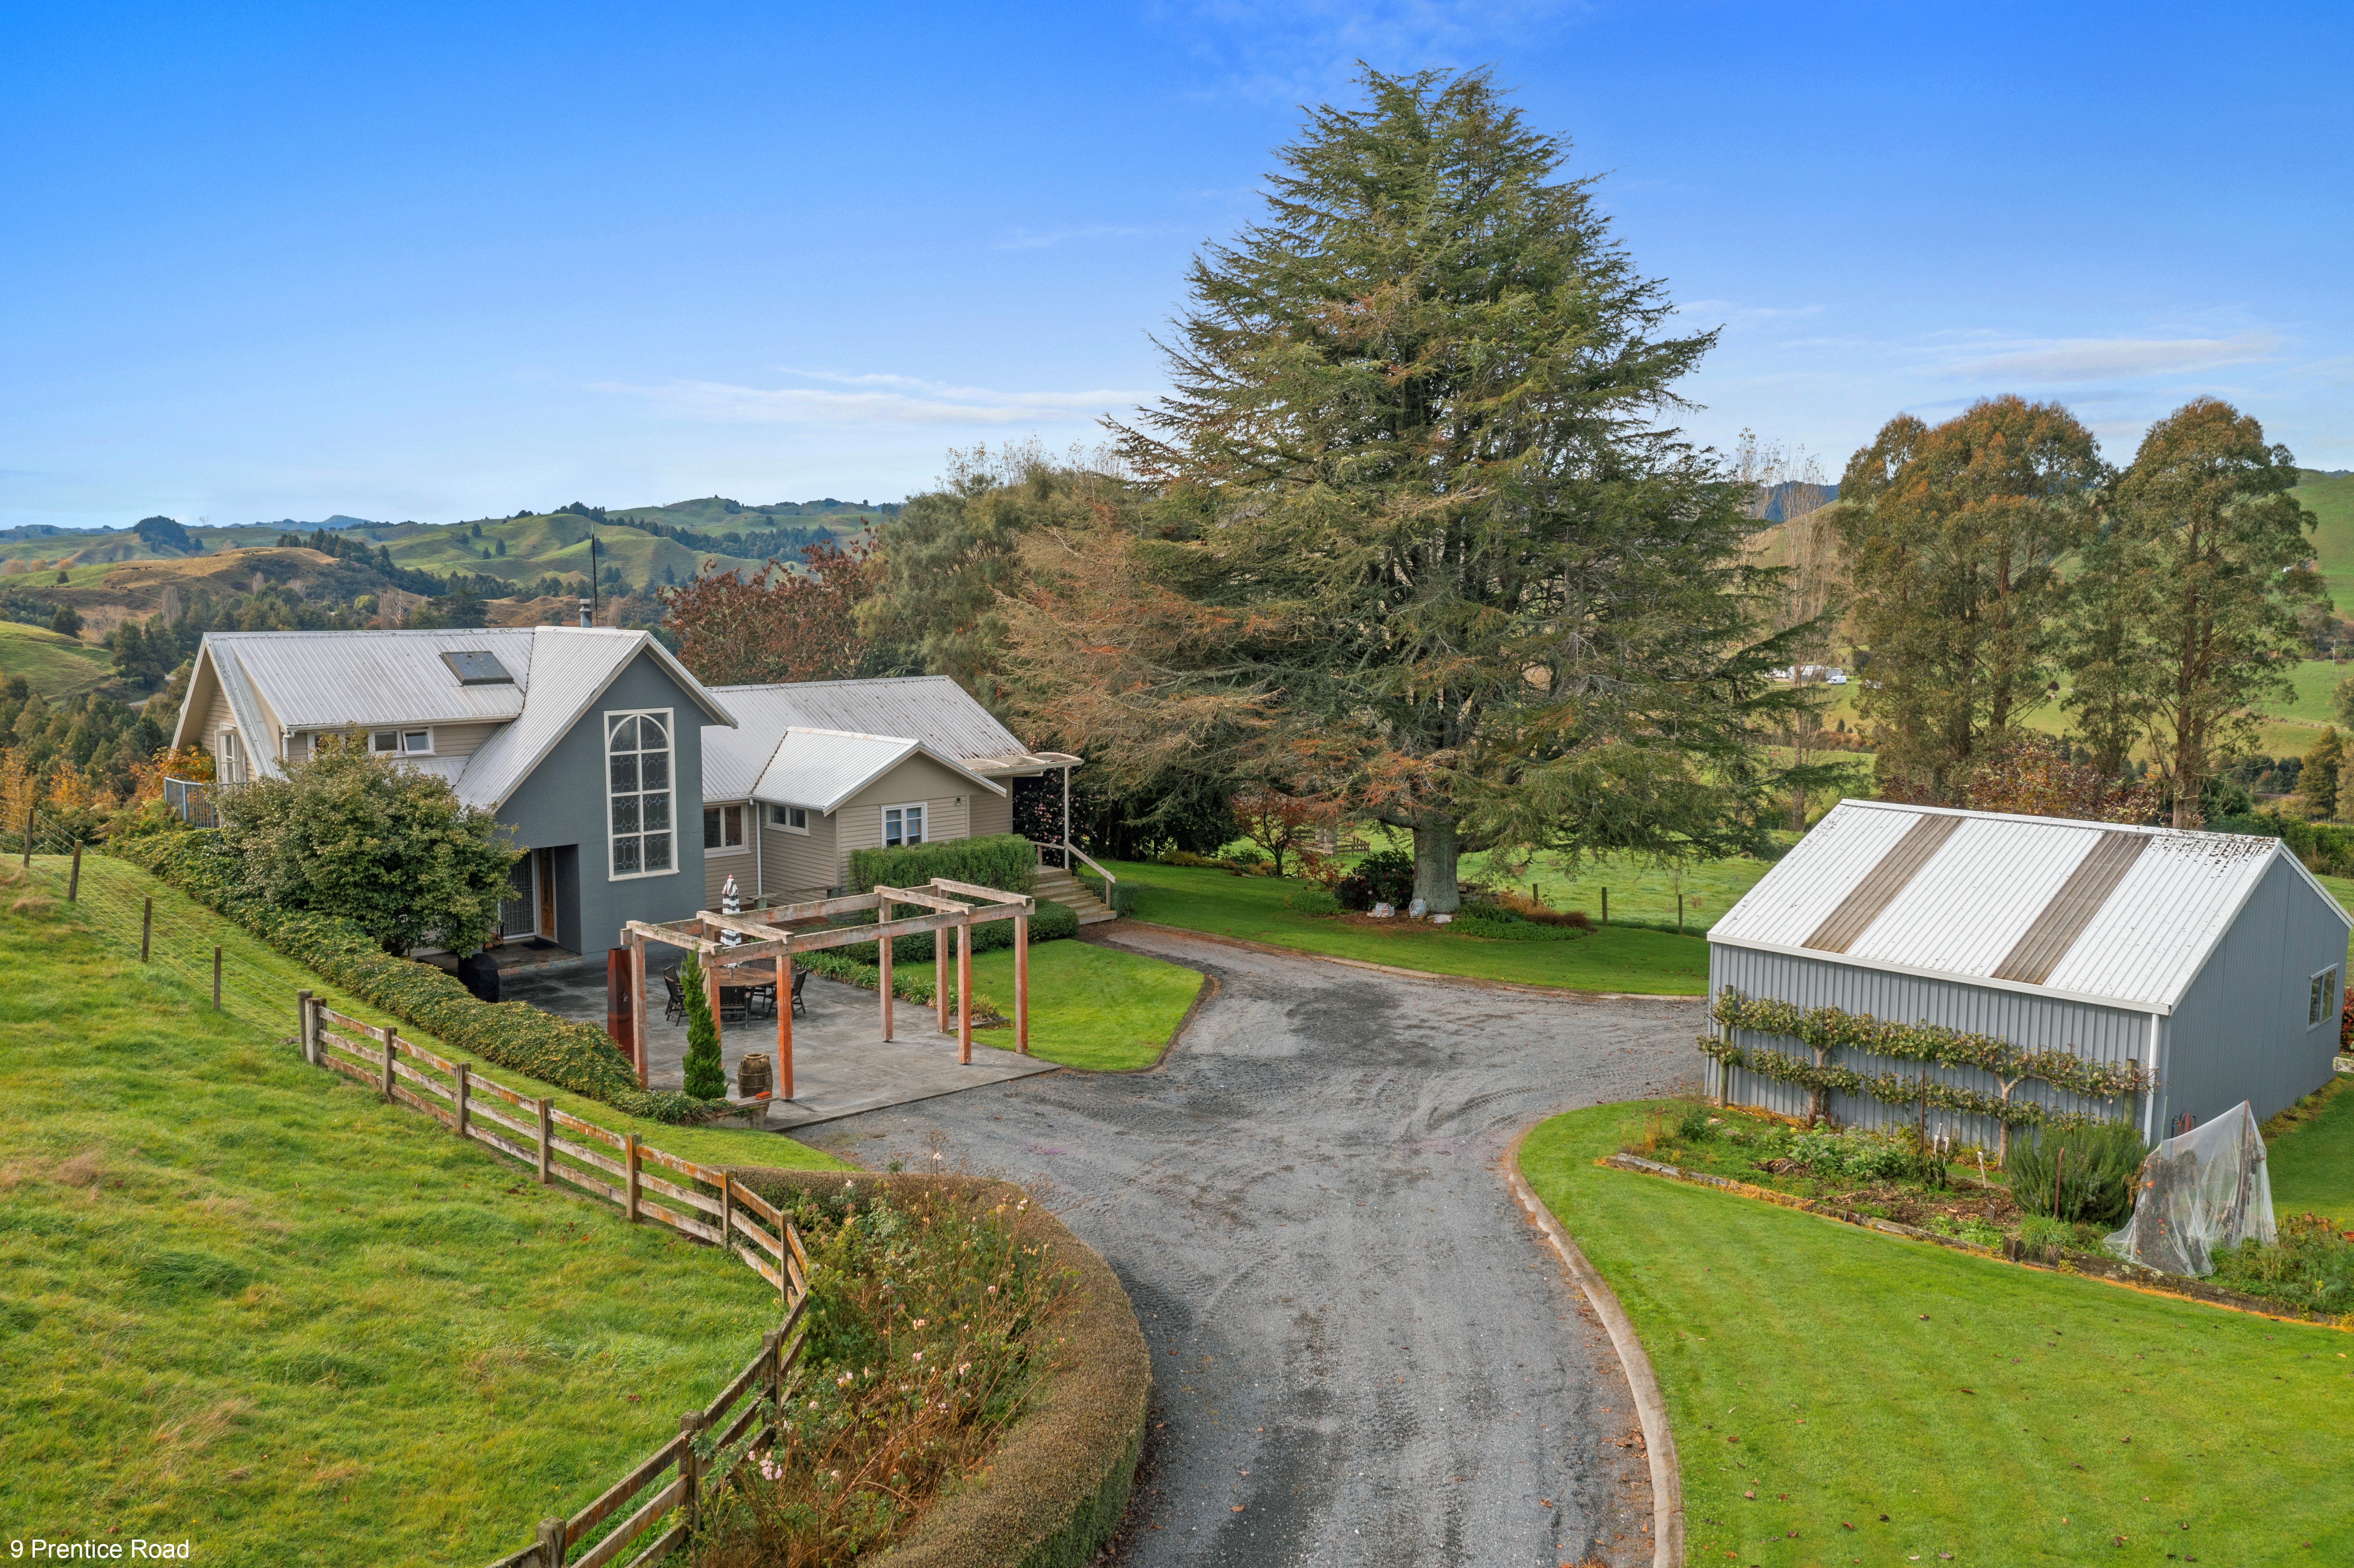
(902, 825)
(792, 819)
(385, 742)
(723, 826)
(2321, 1003)
(232, 758)
(638, 785)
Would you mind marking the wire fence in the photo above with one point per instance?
(166, 931)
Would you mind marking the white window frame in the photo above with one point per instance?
(401, 737)
(605, 782)
(923, 809)
(228, 757)
(743, 845)
(2321, 999)
(781, 818)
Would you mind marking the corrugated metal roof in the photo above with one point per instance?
(1968, 907)
(932, 709)
(570, 666)
(260, 745)
(821, 769)
(326, 680)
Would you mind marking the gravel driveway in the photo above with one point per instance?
(1363, 1351)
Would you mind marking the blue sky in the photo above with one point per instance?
(438, 262)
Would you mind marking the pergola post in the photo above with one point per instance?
(964, 991)
(941, 977)
(883, 956)
(638, 1002)
(1022, 985)
(707, 952)
(784, 1026)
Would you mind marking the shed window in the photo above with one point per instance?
(2321, 1003)
(792, 819)
(902, 825)
(638, 785)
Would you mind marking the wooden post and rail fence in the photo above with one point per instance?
(706, 1203)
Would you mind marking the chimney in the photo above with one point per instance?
(586, 618)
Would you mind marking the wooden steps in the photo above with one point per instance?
(1061, 887)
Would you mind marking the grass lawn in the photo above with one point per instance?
(246, 1305)
(2311, 1164)
(53, 664)
(1097, 1008)
(2003, 1415)
(1638, 892)
(257, 979)
(1653, 962)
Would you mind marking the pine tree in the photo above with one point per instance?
(2319, 781)
(706, 1071)
(1423, 545)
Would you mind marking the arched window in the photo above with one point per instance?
(637, 763)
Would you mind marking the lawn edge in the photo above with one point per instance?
(1658, 1440)
(1570, 991)
(2208, 1296)
(1203, 994)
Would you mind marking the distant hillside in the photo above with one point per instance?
(2330, 497)
(1793, 497)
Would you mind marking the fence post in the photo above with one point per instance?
(689, 1468)
(73, 878)
(306, 1026)
(29, 811)
(772, 1352)
(547, 1130)
(216, 978)
(463, 1068)
(1605, 906)
(389, 1032)
(630, 1188)
(726, 1206)
(147, 928)
(551, 1543)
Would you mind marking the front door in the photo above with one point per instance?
(546, 867)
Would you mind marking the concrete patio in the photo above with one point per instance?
(841, 1066)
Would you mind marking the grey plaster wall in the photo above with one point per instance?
(563, 803)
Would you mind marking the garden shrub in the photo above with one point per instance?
(2095, 1181)
(1858, 1155)
(1486, 922)
(577, 1057)
(390, 849)
(1005, 861)
(1123, 898)
(706, 1069)
(2310, 1263)
(1384, 876)
(1058, 1477)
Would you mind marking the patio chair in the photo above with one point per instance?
(735, 1003)
(675, 1004)
(800, 978)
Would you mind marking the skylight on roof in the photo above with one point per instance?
(477, 667)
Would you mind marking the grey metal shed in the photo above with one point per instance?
(2213, 960)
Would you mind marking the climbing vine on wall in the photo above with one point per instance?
(1827, 1029)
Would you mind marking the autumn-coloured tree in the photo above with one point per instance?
(2030, 775)
(782, 624)
(1284, 824)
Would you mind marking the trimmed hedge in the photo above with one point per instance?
(578, 1057)
(1055, 1490)
(1007, 861)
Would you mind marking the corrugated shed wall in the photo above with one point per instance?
(2240, 1032)
(2099, 1032)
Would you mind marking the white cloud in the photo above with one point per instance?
(871, 399)
(2061, 360)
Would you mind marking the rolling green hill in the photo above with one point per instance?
(2332, 501)
(56, 667)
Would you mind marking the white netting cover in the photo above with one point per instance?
(2203, 1192)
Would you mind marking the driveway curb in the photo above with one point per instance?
(1560, 990)
(1659, 1442)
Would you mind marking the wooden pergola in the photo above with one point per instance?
(769, 939)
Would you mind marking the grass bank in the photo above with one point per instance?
(1819, 1377)
(1255, 908)
(1097, 1008)
(52, 663)
(2310, 1160)
(245, 1304)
